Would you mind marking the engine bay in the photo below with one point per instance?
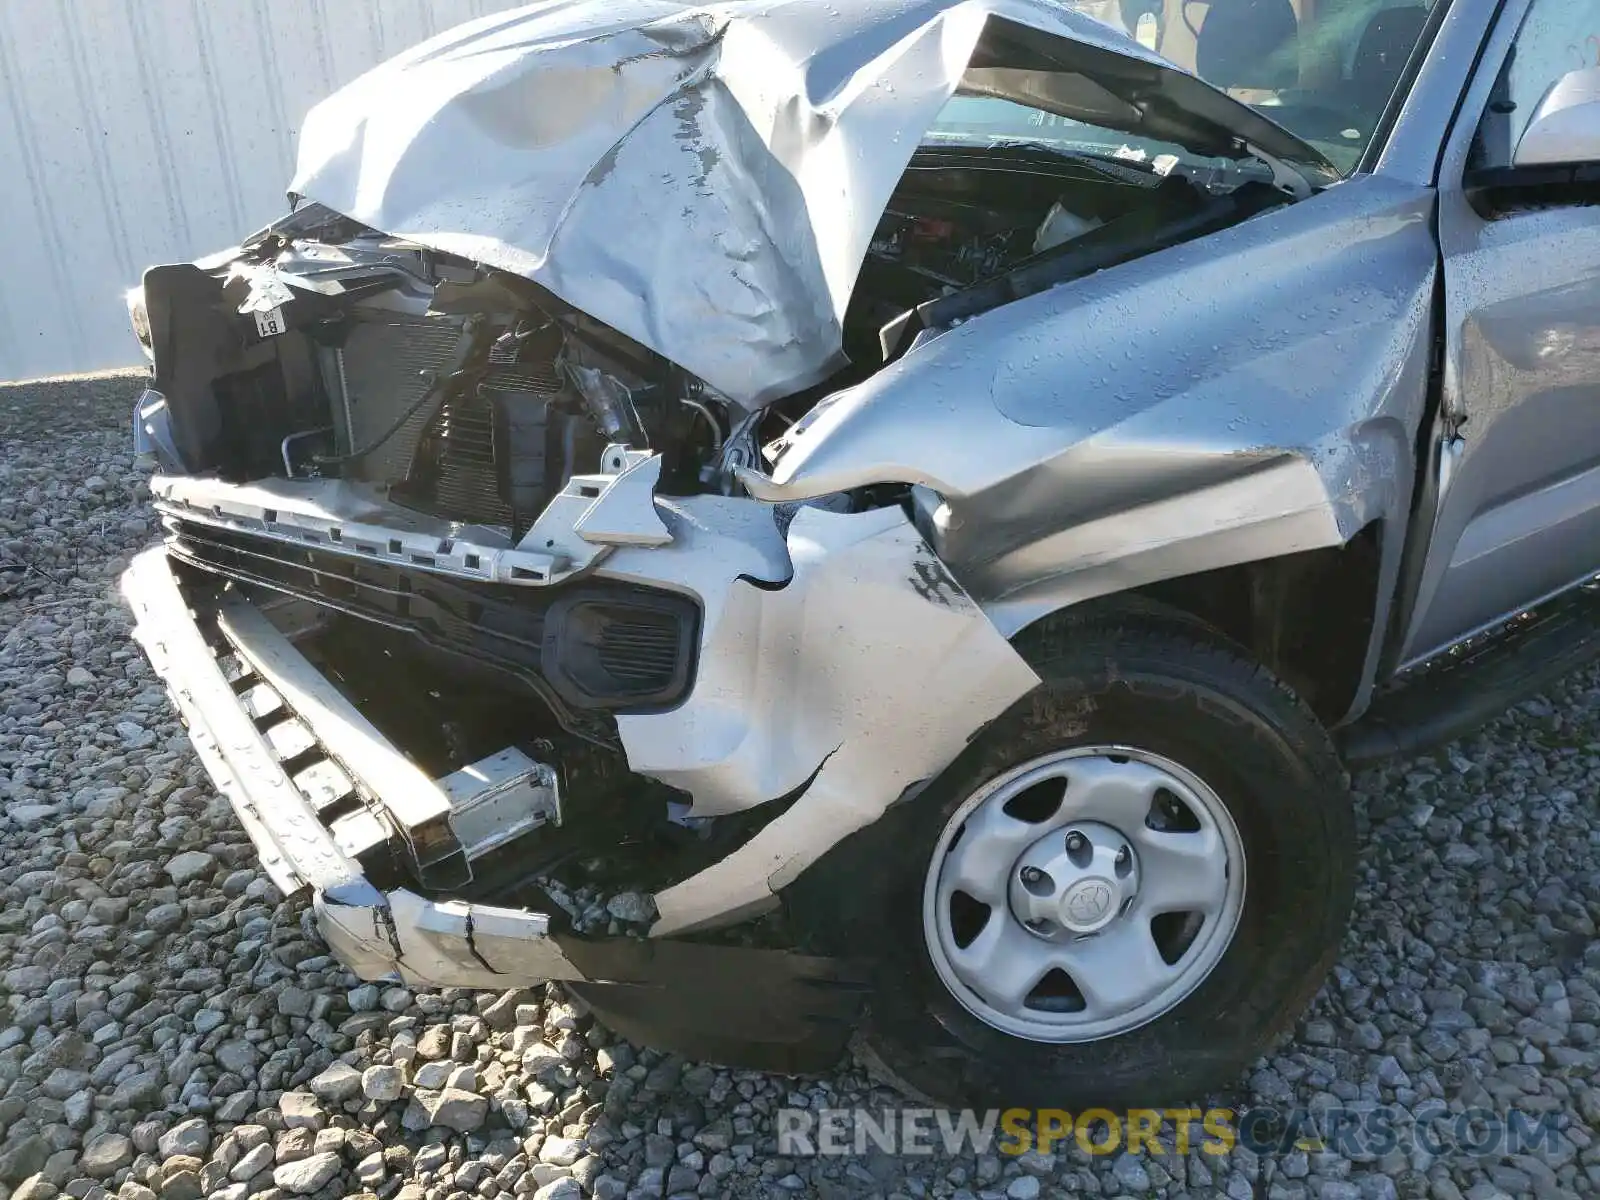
(964, 215)
(407, 440)
(327, 350)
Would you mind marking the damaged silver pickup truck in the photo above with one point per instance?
(930, 494)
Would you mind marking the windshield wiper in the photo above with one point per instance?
(1113, 166)
(1130, 169)
(1070, 152)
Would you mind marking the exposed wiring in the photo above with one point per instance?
(394, 428)
(464, 353)
(711, 420)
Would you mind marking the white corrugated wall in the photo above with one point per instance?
(142, 131)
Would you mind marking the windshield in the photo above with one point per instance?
(1322, 69)
(985, 120)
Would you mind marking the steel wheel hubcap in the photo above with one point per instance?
(1083, 894)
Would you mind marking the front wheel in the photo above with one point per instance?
(1117, 894)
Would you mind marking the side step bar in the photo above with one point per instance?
(1469, 686)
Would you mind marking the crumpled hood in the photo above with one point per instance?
(704, 178)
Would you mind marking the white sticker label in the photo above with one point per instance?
(270, 323)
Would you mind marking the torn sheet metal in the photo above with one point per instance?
(1252, 394)
(866, 672)
(704, 178)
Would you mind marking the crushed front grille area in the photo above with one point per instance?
(598, 647)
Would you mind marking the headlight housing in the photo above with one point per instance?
(931, 514)
(139, 318)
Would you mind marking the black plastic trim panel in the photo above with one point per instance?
(1470, 686)
(599, 647)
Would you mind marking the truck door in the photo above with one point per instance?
(1518, 514)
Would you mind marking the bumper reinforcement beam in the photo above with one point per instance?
(762, 1009)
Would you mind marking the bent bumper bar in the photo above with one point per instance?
(379, 935)
(759, 1008)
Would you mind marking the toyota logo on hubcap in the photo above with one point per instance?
(1088, 904)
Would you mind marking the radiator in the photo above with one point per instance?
(385, 368)
(465, 455)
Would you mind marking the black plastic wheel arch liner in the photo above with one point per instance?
(757, 1009)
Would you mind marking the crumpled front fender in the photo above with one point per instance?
(1252, 394)
(838, 656)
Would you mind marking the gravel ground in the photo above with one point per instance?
(171, 1028)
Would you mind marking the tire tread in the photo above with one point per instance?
(1076, 653)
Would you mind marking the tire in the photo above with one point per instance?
(1174, 689)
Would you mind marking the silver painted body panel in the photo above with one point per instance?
(1518, 514)
(1255, 393)
(838, 656)
(1251, 394)
(766, 134)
